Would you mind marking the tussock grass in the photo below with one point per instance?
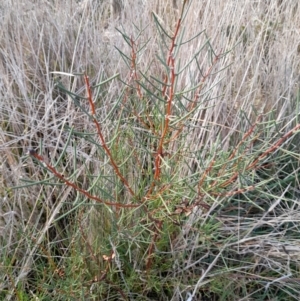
(196, 202)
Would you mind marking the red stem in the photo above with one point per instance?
(104, 145)
(74, 186)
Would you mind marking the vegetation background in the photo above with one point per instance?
(220, 221)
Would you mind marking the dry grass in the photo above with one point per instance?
(241, 246)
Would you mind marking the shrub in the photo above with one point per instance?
(140, 211)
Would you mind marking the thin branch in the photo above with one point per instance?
(32, 153)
